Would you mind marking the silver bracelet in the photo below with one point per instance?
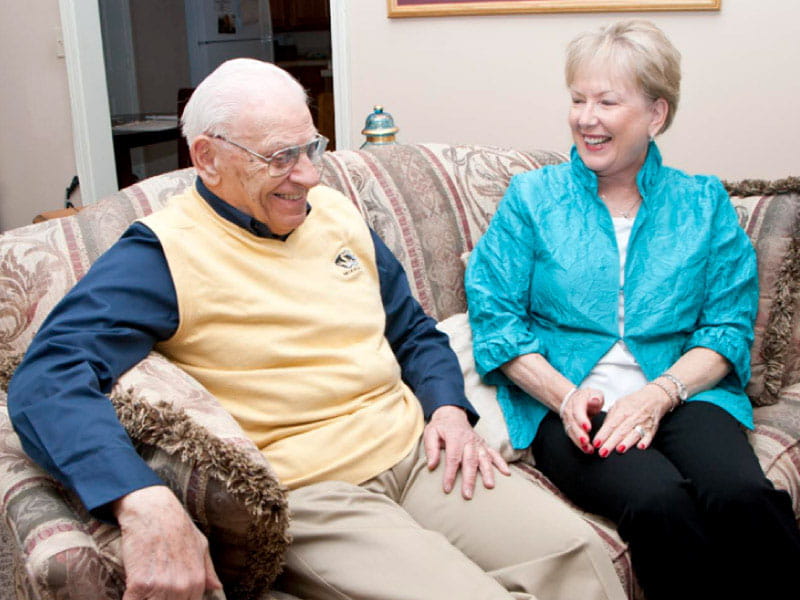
(683, 394)
(673, 399)
(567, 396)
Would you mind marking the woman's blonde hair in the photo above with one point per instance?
(636, 49)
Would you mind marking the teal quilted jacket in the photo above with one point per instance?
(545, 279)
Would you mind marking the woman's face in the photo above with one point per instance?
(612, 122)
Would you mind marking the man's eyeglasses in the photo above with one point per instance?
(282, 161)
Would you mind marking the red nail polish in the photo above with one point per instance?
(598, 443)
(604, 452)
(583, 441)
(621, 448)
(587, 427)
(642, 447)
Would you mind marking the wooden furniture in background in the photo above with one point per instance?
(299, 15)
(131, 131)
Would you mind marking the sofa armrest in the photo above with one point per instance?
(197, 449)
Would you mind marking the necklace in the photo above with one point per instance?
(626, 213)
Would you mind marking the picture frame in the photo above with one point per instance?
(443, 8)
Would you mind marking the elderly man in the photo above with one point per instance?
(275, 295)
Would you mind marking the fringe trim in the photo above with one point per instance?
(762, 187)
(252, 484)
(778, 331)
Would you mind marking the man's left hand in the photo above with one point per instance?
(463, 448)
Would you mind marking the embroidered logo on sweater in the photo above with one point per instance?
(348, 262)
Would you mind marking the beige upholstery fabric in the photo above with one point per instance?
(222, 479)
(430, 203)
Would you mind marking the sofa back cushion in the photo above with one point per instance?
(40, 263)
(430, 203)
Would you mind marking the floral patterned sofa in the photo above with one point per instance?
(430, 203)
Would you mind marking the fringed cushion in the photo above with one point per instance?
(770, 213)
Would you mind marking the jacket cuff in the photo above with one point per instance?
(491, 354)
(727, 343)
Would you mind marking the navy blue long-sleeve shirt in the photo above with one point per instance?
(113, 318)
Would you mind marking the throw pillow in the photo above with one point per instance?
(769, 211)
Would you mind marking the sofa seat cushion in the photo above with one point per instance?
(776, 440)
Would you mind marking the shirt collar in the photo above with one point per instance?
(236, 216)
(645, 179)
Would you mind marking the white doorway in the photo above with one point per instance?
(90, 101)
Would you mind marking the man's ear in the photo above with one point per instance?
(205, 159)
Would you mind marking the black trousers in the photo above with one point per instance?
(699, 515)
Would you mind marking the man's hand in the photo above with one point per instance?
(164, 554)
(463, 448)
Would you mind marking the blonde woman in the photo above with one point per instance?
(612, 301)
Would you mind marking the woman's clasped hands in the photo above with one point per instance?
(632, 421)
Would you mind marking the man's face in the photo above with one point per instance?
(278, 202)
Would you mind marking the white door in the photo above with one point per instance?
(218, 30)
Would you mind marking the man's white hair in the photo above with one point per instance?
(220, 98)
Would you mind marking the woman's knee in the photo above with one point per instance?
(736, 497)
(658, 507)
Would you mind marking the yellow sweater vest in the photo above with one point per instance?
(289, 336)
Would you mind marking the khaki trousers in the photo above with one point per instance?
(398, 536)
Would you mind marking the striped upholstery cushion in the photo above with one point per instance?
(430, 203)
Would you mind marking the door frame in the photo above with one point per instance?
(91, 117)
(88, 93)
